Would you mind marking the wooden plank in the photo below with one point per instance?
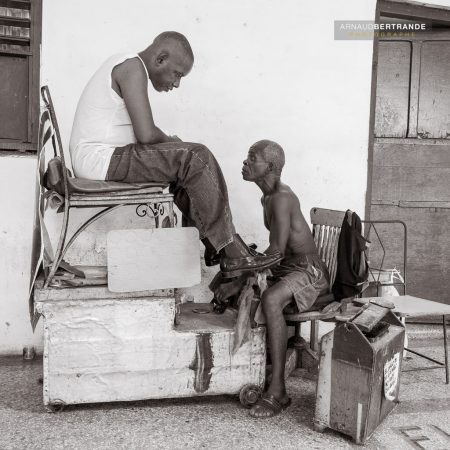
(410, 306)
(428, 249)
(414, 10)
(416, 154)
(373, 96)
(412, 204)
(428, 204)
(411, 183)
(328, 217)
(414, 90)
(153, 259)
(35, 70)
(8, 51)
(14, 40)
(323, 389)
(16, 4)
(350, 389)
(392, 95)
(333, 266)
(14, 95)
(91, 293)
(15, 21)
(434, 92)
(400, 141)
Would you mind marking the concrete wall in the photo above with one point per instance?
(262, 70)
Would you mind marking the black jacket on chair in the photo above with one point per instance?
(352, 269)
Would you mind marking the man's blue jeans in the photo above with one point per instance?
(195, 178)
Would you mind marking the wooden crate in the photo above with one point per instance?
(350, 395)
(101, 346)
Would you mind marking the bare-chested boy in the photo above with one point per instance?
(301, 275)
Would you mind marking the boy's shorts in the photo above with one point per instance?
(306, 276)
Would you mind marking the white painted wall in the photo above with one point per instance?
(263, 69)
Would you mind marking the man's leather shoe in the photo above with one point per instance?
(234, 267)
(213, 258)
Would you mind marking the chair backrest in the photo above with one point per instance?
(49, 129)
(326, 230)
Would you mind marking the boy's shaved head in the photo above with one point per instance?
(272, 153)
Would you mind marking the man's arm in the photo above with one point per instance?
(279, 213)
(132, 81)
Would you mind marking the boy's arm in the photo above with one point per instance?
(279, 223)
(233, 287)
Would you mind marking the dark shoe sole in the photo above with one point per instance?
(212, 262)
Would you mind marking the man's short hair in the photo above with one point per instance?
(179, 38)
(272, 153)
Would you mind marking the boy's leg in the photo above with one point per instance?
(273, 301)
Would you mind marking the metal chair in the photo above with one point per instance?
(150, 198)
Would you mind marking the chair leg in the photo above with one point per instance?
(298, 333)
(444, 326)
(84, 225)
(314, 336)
(298, 342)
(59, 249)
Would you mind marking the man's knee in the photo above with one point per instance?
(202, 152)
(271, 303)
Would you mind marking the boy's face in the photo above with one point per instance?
(254, 167)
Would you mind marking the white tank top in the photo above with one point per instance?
(101, 123)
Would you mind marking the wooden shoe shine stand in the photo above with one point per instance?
(101, 346)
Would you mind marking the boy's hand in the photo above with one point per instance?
(227, 290)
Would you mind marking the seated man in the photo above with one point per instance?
(301, 276)
(114, 138)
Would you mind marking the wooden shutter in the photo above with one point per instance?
(20, 38)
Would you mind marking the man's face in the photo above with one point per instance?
(169, 71)
(254, 167)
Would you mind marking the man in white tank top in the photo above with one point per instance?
(114, 138)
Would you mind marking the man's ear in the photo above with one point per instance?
(162, 58)
(270, 166)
